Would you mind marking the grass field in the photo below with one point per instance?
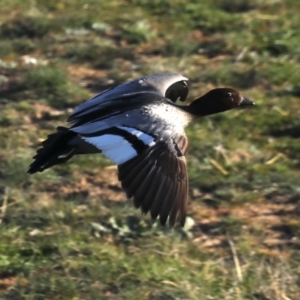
(70, 232)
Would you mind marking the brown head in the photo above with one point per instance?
(218, 100)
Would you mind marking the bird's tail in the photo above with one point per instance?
(56, 149)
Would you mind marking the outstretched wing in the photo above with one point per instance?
(157, 180)
(171, 86)
(148, 144)
(122, 132)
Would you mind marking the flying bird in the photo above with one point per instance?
(138, 126)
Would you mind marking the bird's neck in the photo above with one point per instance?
(201, 107)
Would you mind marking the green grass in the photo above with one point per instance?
(69, 233)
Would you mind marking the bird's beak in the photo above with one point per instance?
(246, 102)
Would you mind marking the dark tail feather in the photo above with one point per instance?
(55, 150)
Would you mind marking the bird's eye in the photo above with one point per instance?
(229, 96)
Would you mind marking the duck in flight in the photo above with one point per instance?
(138, 126)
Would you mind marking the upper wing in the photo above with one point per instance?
(171, 86)
(121, 104)
(122, 132)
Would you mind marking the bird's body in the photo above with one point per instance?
(139, 127)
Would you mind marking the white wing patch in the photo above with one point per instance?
(116, 147)
(145, 138)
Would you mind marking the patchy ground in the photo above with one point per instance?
(70, 232)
